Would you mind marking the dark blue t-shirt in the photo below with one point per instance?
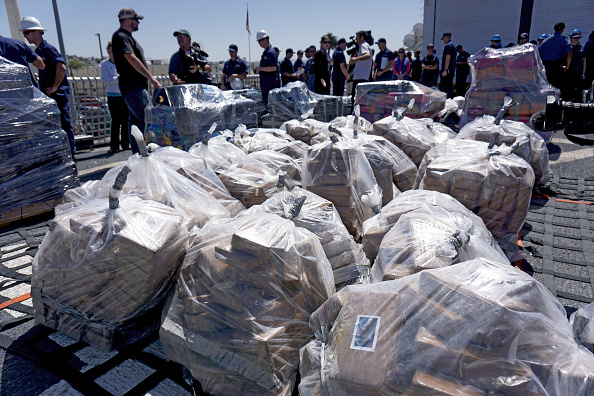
(269, 59)
(450, 50)
(18, 52)
(381, 62)
(338, 57)
(237, 66)
(554, 48)
(50, 56)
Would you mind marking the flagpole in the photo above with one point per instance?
(249, 37)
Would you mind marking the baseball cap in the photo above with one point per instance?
(128, 13)
(381, 40)
(299, 52)
(233, 47)
(446, 34)
(289, 50)
(524, 35)
(430, 45)
(182, 31)
(575, 33)
(496, 37)
(544, 36)
(458, 47)
(340, 41)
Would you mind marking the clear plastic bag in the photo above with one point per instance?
(36, 166)
(181, 115)
(379, 99)
(440, 132)
(247, 179)
(583, 326)
(242, 304)
(516, 72)
(375, 228)
(475, 328)
(303, 130)
(279, 162)
(319, 216)
(530, 147)
(256, 139)
(493, 182)
(338, 171)
(103, 271)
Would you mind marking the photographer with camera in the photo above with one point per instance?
(188, 65)
(362, 61)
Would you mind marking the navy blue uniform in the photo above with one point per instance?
(287, 67)
(574, 79)
(381, 62)
(50, 56)
(338, 78)
(268, 80)
(429, 77)
(446, 84)
(462, 71)
(553, 52)
(18, 52)
(237, 66)
(310, 77)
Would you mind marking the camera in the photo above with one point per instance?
(353, 47)
(196, 57)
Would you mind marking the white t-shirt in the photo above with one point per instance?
(363, 68)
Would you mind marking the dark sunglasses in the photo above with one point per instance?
(325, 42)
(26, 33)
(401, 52)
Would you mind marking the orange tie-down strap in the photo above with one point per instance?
(15, 300)
(545, 196)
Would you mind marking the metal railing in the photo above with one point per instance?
(88, 104)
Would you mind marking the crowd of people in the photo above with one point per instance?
(569, 66)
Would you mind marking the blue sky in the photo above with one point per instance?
(217, 24)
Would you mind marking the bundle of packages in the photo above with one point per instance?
(198, 171)
(411, 136)
(181, 115)
(303, 130)
(440, 132)
(256, 96)
(256, 139)
(104, 269)
(475, 328)
(451, 113)
(247, 179)
(402, 170)
(583, 326)
(530, 146)
(516, 72)
(494, 183)
(243, 299)
(379, 99)
(430, 237)
(319, 216)
(349, 122)
(279, 162)
(338, 171)
(36, 166)
(295, 100)
(377, 227)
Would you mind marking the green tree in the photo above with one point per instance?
(333, 40)
(76, 64)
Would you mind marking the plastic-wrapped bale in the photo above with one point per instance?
(36, 166)
(411, 136)
(494, 183)
(440, 132)
(280, 162)
(375, 228)
(181, 115)
(247, 179)
(243, 299)
(257, 139)
(403, 170)
(319, 216)
(102, 273)
(516, 72)
(475, 328)
(363, 126)
(430, 237)
(379, 99)
(583, 326)
(338, 171)
(303, 130)
(198, 171)
(530, 146)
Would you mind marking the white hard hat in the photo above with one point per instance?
(31, 23)
(261, 35)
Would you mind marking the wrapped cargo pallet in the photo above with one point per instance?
(243, 299)
(583, 326)
(379, 99)
(36, 166)
(430, 237)
(492, 182)
(475, 328)
(375, 228)
(104, 269)
(530, 147)
(338, 171)
(516, 72)
(247, 179)
(318, 215)
(181, 115)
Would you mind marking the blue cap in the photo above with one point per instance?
(544, 36)
(575, 33)
(496, 37)
(340, 41)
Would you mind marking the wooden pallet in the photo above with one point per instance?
(34, 209)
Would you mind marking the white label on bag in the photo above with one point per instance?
(365, 334)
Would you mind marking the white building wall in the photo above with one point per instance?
(578, 15)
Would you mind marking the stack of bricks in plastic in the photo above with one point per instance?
(379, 99)
(516, 72)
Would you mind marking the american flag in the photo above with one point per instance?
(247, 22)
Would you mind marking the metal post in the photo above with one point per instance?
(100, 47)
(14, 19)
(59, 31)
